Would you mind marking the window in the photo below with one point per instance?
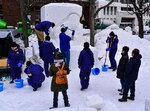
(107, 10)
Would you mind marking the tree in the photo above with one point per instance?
(140, 7)
(93, 15)
(25, 6)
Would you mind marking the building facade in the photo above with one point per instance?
(118, 13)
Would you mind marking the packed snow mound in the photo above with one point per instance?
(95, 101)
(113, 26)
(109, 106)
(128, 29)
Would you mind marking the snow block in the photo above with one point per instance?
(95, 101)
(147, 105)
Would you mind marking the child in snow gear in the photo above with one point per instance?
(65, 45)
(15, 61)
(131, 75)
(121, 67)
(46, 53)
(43, 27)
(35, 74)
(85, 63)
(112, 48)
(59, 87)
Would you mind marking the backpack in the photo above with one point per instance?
(61, 76)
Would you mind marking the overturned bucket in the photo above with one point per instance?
(95, 71)
(105, 68)
(1, 86)
(19, 83)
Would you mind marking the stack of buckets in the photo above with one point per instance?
(19, 83)
(1, 86)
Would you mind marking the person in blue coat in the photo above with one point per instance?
(131, 75)
(35, 74)
(43, 27)
(112, 42)
(65, 45)
(46, 53)
(15, 61)
(85, 63)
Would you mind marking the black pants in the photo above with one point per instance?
(129, 85)
(65, 97)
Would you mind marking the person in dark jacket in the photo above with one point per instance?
(35, 74)
(43, 27)
(56, 88)
(46, 53)
(122, 65)
(65, 45)
(85, 63)
(112, 42)
(131, 75)
(15, 61)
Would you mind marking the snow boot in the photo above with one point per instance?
(53, 107)
(130, 98)
(122, 100)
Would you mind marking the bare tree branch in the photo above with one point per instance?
(103, 7)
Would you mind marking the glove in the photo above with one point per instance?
(66, 28)
(19, 64)
(107, 40)
(108, 49)
(73, 32)
(8, 61)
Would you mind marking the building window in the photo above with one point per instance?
(115, 10)
(1, 12)
(104, 11)
(111, 10)
(107, 10)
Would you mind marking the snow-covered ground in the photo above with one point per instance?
(102, 92)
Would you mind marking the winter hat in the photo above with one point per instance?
(52, 24)
(63, 30)
(112, 33)
(135, 52)
(13, 44)
(28, 63)
(58, 57)
(47, 38)
(125, 49)
(86, 45)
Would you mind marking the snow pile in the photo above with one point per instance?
(113, 26)
(95, 101)
(109, 106)
(128, 29)
(147, 105)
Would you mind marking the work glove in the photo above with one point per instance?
(73, 32)
(19, 64)
(8, 61)
(66, 28)
(108, 49)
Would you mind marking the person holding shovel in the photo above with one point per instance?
(112, 42)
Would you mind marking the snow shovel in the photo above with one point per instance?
(105, 67)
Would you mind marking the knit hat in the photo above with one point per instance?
(28, 63)
(112, 33)
(63, 30)
(13, 44)
(86, 45)
(135, 52)
(125, 49)
(58, 57)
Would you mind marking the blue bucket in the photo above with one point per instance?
(19, 83)
(95, 71)
(104, 68)
(1, 86)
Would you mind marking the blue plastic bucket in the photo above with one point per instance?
(104, 68)
(1, 86)
(95, 71)
(19, 83)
